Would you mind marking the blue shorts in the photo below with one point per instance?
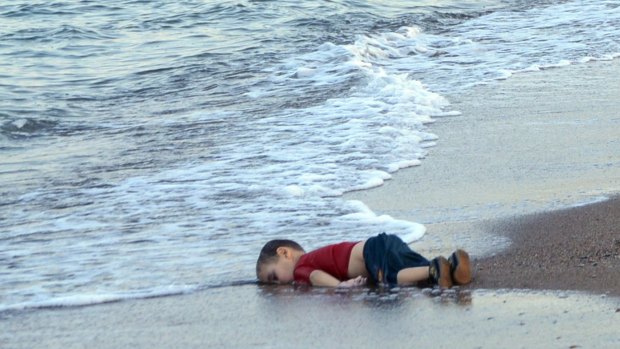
(386, 255)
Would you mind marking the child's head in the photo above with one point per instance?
(276, 261)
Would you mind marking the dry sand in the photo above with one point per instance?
(528, 145)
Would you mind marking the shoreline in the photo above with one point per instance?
(542, 144)
(539, 141)
(274, 317)
(572, 249)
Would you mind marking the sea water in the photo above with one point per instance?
(152, 147)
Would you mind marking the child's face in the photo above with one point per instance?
(279, 272)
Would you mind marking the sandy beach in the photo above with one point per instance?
(521, 179)
(550, 141)
(572, 249)
(255, 317)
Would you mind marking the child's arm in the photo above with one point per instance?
(321, 278)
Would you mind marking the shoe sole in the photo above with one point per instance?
(445, 281)
(460, 267)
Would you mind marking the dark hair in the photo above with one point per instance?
(269, 252)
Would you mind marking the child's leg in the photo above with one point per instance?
(391, 261)
(438, 272)
(411, 276)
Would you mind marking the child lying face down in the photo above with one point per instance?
(382, 259)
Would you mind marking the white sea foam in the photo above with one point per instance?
(280, 175)
(20, 123)
(80, 300)
(497, 45)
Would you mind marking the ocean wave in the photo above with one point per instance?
(55, 34)
(27, 10)
(26, 127)
(81, 300)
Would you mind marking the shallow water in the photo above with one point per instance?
(278, 317)
(152, 148)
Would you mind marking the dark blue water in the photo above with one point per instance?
(151, 147)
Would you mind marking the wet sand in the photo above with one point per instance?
(573, 249)
(521, 149)
(537, 142)
(268, 317)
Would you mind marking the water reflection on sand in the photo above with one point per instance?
(376, 297)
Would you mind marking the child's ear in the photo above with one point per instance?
(282, 252)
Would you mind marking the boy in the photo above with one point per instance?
(384, 259)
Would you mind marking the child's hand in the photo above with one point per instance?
(358, 281)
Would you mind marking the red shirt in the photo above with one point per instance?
(332, 259)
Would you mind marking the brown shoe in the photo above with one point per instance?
(439, 272)
(460, 267)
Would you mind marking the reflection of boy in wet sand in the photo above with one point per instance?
(384, 259)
